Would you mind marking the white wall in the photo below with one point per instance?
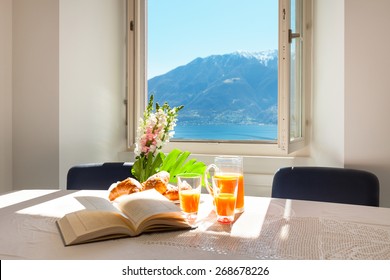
(92, 82)
(327, 139)
(367, 89)
(35, 68)
(5, 95)
(68, 85)
(351, 88)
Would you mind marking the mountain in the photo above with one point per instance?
(239, 88)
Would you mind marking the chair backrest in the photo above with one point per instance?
(328, 184)
(97, 176)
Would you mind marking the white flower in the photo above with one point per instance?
(155, 128)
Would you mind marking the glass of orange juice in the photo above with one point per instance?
(225, 197)
(189, 185)
(227, 166)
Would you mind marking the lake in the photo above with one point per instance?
(226, 132)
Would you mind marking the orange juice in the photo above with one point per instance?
(229, 185)
(189, 200)
(225, 204)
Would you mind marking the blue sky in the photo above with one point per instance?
(181, 30)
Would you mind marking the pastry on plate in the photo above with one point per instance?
(158, 181)
(127, 186)
(172, 192)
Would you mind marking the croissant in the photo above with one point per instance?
(172, 192)
(127, 186)
(158, 181)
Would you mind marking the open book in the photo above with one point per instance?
(142, 212)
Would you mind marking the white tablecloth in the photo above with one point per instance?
(268, 229)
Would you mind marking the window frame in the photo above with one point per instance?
(137, 89)
(285, 143)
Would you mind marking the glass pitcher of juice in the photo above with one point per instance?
(224, 167)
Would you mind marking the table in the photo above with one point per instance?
(268, 229)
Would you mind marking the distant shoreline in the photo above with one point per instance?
(227, 132)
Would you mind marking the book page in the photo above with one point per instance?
(96, 203)
(140, 207)
(86, 226)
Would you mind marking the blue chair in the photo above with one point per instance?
(97, 176)
(328, 184)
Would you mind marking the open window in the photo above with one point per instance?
(243, 99)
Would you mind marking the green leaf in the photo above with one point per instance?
(179, 162)
(138, 167)
(144, 167)
(174, 162)
(170, 159)
(135, 168)
(155, 165)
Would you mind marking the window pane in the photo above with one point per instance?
(219, 59)
(296, 72)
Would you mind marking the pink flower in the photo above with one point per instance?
(155, 128)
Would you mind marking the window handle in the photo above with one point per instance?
(126, 105)
(292, 35)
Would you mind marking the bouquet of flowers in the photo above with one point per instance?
(155, 129)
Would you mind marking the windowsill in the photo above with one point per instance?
(252, 164)
(243, 149)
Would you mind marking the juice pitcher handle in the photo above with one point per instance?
(207, 175)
